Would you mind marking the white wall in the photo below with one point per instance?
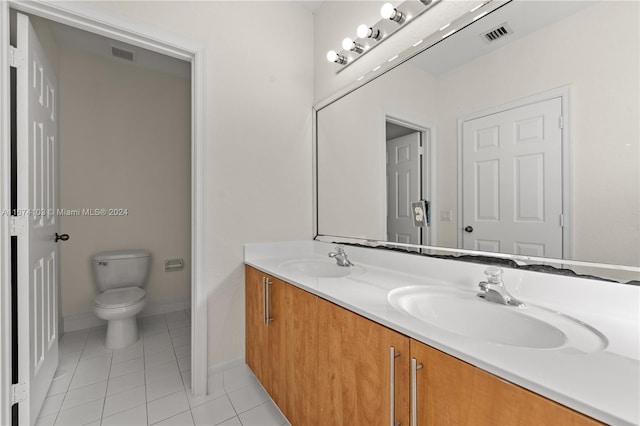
(258, 155)
(352, 201)
(124, 143)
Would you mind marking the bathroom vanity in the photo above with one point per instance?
(349, 345)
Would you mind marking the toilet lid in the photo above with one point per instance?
(120, 297)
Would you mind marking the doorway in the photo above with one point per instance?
(409, 171)
(157, 41)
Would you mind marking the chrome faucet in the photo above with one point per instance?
(493, 289)
(340, 256)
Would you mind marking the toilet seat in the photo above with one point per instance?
(120, 297)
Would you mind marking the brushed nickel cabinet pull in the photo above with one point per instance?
(414, 391)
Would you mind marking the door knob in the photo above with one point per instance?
(63, 237)
(469, 229)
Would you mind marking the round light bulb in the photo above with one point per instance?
(332, 56)
(347, 43)
(363, 31)
(387, 11)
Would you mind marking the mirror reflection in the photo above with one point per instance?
(520, 133)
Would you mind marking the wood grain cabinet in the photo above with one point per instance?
(281, 343)
(325, 365)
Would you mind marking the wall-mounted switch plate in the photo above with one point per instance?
(173, 265)
(420, 213)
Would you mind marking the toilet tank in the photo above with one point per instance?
(123, 268)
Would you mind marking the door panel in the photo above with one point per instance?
(36, 203)
(403, 187)
(512, 181)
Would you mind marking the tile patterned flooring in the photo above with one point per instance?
(148, 383)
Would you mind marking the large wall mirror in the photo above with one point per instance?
(521, 132)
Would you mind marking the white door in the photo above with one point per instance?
(36, 168)
(403, 187)
(512, 181)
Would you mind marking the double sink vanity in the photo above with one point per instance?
(415, 340)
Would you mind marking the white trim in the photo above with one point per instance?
(86, 17)
(5, 205)
(563, 93)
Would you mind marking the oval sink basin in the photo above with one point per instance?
(463, 313)
(317, 268)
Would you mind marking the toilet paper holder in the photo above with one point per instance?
(173, 265)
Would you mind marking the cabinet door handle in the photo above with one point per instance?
(267, 315)
(414, 391)
(392, 386)
(264, 300)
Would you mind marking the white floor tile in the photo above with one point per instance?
(164, 387)
(47, 420)
(184, 363)
(178, 341)
(182, 419)
(81, 415)
(85, 394)
(88, 377)
(126, 367)
(248, 397)
(130, 352)
(60, 385)
(213, 412)
(134, 417)
(158, 345)
(266, 414)
(183, 351)
(175, 316)
(186, 379)
(167, 406)
(215, 388)
(234, 421)
(179, 324)
(124, 401)
(159, 371)
(51, 405)
(238, 377)
(179, 331)
(155, 358)
(126, 382)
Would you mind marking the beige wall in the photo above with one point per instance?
(124, 143)
(259, 93)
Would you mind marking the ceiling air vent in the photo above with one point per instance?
(120, 53)
(496, 33)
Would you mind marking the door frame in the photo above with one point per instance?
(562, 92)
(87, 18)
(428, 182)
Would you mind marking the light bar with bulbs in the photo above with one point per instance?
(393, 18)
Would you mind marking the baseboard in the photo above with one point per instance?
(89, 319)
(217, 368)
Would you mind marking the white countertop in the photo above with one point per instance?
(604, 385)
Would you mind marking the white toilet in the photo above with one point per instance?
(120, 276)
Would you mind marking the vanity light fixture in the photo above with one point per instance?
(333, 56)
(365, 31)
(426, 2)
(349, 44)
(389, 12)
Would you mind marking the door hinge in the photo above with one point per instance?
(18, 225)
(421, 150)
(18, 392)
(16, 57)
(561, 122)
(561, 221)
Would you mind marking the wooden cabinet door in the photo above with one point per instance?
(256, 339)
(354, 370)
(301, 357)
(452, 392)
(276, 327)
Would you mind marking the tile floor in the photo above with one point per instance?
(148, 383)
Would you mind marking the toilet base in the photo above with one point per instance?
(121, 333)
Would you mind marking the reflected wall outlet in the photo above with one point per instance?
(446, 215)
